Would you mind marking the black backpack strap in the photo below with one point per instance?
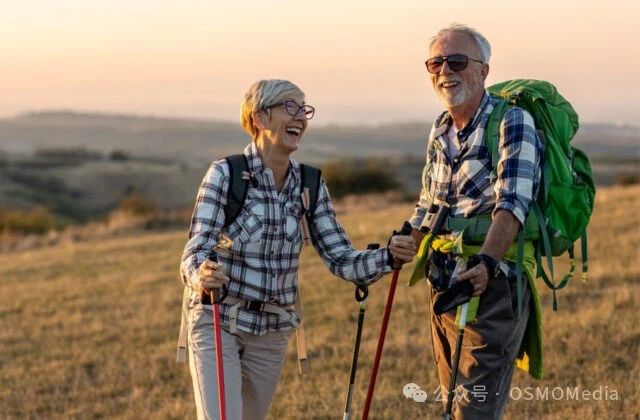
(238, 187)
(310, 179)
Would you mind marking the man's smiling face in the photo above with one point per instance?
(458, 88)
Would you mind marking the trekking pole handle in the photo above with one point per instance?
(406, 230)
(217, 295)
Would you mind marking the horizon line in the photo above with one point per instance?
(164, 117)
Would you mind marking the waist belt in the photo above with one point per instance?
(235, 304)
(476, 228)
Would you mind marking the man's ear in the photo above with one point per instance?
(485, 71)
(258, 119)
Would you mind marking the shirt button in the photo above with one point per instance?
(455, 160)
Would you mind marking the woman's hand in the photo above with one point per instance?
(210, 276)
(403, 248)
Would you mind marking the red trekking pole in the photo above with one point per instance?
(406, 230)
(216, 298)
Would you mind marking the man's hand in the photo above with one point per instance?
(501, 235)
(403, 248)
(210, 276)
(478, 275)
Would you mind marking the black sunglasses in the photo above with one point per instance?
(456, 62)
(293, 108)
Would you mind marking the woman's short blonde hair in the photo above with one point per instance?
(260, 96)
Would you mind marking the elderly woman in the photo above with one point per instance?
(258, 255)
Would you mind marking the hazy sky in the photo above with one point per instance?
(358, 61)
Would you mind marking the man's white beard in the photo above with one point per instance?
(461, 96)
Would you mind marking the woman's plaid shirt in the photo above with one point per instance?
(467, 181)
(260, 250)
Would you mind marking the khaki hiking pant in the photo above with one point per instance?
(252, 366)
(489, 349)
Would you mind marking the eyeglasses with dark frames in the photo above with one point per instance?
(456, 62)
(293, 108)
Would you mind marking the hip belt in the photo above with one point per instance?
(235, 304)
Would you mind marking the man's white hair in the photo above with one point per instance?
(485, 47)
(260, 96)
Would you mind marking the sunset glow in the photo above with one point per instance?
(358, 61)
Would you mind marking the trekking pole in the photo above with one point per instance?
(362, 291)
(216, 298)
(456, 361)
(406, 230)
(459, 293)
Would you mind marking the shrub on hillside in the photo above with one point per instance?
(71, 154)
(135, 204)
(119, 156)
(627, 179)
(37, 220)
(358, 176)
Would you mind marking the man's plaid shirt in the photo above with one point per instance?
(467, 181)
(262, 260)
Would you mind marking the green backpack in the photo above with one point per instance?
(561, 212)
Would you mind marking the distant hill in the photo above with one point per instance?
(79, 165)
(199, 141)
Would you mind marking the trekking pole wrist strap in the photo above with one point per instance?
(390, 259)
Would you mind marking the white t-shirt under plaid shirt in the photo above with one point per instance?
(262, 261)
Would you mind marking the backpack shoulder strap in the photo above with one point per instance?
(238, 187)
(492, 131)
(310, 179)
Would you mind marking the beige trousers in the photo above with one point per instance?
(252, 367)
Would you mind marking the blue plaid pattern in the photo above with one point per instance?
(467, 181)
(261, 255)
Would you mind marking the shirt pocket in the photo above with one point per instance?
(293, 214)
(250, 226)
(474, 175)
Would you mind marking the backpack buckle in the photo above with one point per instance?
(254, 305)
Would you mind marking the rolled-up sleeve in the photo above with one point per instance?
(335, 248)
(519, 167)
(207, 221)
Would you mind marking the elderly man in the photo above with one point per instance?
(460, 182)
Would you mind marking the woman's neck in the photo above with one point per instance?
(274, 159)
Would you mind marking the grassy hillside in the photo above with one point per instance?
(88, 330)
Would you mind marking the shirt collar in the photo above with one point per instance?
(256, 165)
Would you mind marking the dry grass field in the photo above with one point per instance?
(88, 330)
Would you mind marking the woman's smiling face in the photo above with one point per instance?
(284, 130)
